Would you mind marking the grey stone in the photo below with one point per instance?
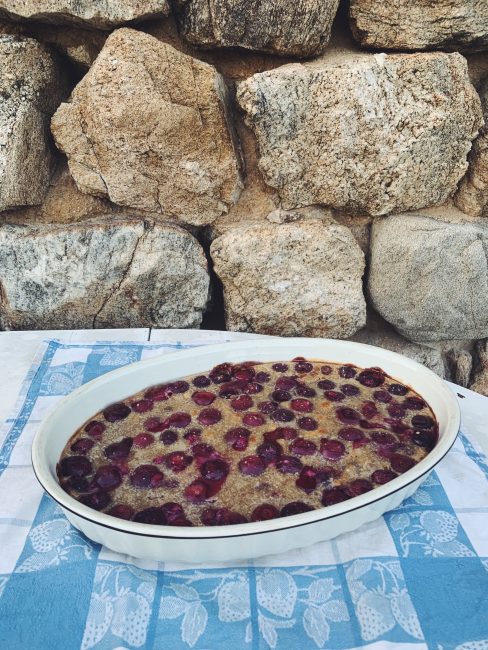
(420, 24)
(429, 278)
(292, 279)
(102, 14)
(480, 380)
(31, 87)
(301, 28)
(148, 128)
(366, 133)
(117, 272)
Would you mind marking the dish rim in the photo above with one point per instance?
(51, 486)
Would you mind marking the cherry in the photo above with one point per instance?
(142, 406)
(264, 512)
(371, 377)
(203, 397)
(214, 470)
(151, 515)
(326, 384)
(303, 366)
(333, 495)
(76, 466)
(97, 500)
(146, 476)
(201, 381)
(267, 407)
(424, 439)
(241, 403)
(178, 420)
(178, 461)
(279, 367)
(79, 483)
(326, 370)
(225, 517)
(280, 395)
(334, 396)
(269, 451)
(295, 508)
(122, 511)
(358, 486)
(350, 433)
(209, 416)
(350, 390)
(263, 377)
(397, 389)
(244, 374)
(383, 438)
(158, 393)
(231, 389)
(209, 517)
(396, 411)
(303, 447)
(252, 388)
(348, 415)
(143, 440)
(347, 372)
(308, 424)
(168, 437)
(95, 429)
(180, 521)
(369, 410)
(197, 491)
(155, 425)
(382, 476)
(286, 383)
(118, 450)
(192, 435)
(251, 466)
(282, 415)
(221, 373)
(178, 387)
(172, 511)
(413, 403)
(201, 450)
(253, 419)
(332, 449)
(382, 396)
(289, 465)
(400, 463)
(237, 438)
(307, 481)
(82, 446)
(108, 477)
(422, 422)
(301, 405)
(117, 411)
(305, 391)
(288, 433)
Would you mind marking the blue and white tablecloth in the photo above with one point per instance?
(414, 579)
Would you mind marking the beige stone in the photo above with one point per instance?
(292, 279)
(301, 28)
(148, 128)
(115, 272)
(420, 24)
(369, 134)
(102, 14)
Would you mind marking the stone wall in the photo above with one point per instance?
(300, 169)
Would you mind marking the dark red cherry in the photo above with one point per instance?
(349, 390)
(168, 437)
(152, 515)
(382, 396)
(82, 446)
(231, 389)
(178, 386)
(122, 511)
(117, 411)
(221, 373)
(95, 429)
(289, 465)
(146, 476)
(203, 397)
(396, 411)
(279, 367)
(305, 391)
(371, 377)
(383, 438)
(295, 508)
(307, 481)
(303, 366)
(424, 439)
(282, 415)
(118, 450)
(253, 419)
(382, 476)
(326, 370)
(178, 420)
(158, 393)
(241, 403)
(96, 500)
(280, 395)
(348, 415)
(108, 477)
(201, 381)
(244, 374)
(180, 521)
(358, 486)
(369, 410)
(269, 451)
(301, 405)
(288, 433)
(178, 461)
(237, 438)
(302, 447)
(142, 406)
(264, 512)
(172, 511)
(263, 377)
(350, 433)
(155, 425)
(252, 388)
(209, 517)
(286, 383)
(347, 372)
(332, 449)
(333, 495)
(334, 396)
(267, 407)
(209, 416)
(252, 466)
(397, 389)
(308, 424)
(79, 483)
(400, 463)
(414, 403)
(76, 466)
(326, 384)
(201, 450)
(214, 470)
(197, 491)
(192, 435)
(226, 517)
(143, 440)
(422, 422)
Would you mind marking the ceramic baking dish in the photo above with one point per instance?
(241, 541)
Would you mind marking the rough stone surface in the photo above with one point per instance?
(31, 87)
(420, 24)
(102, 14)
(367, 133)
(480, 381)
(147, 127)
(292, 279)
(301, 28)
(472, 196)
(429, 278)
(101, 273)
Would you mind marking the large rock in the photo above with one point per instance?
(101, 273)
(429, 278)
(366, 133)
(420, 24)
(293, 279)
(31, 87)
(472, 196)
(102, 14)
(147, 127)
(301, 28)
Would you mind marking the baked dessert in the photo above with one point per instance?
(247, 442)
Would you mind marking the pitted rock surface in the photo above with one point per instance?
(101, 273)
(31, 87)
(147, 128)
(291, 279)
(429, 278)
(367, 133)
(301, 28)
(420, 24)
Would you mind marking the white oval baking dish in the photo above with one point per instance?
(241, 541)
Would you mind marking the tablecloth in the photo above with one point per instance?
(416, 578)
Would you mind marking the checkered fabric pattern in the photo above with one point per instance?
(416, 578)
